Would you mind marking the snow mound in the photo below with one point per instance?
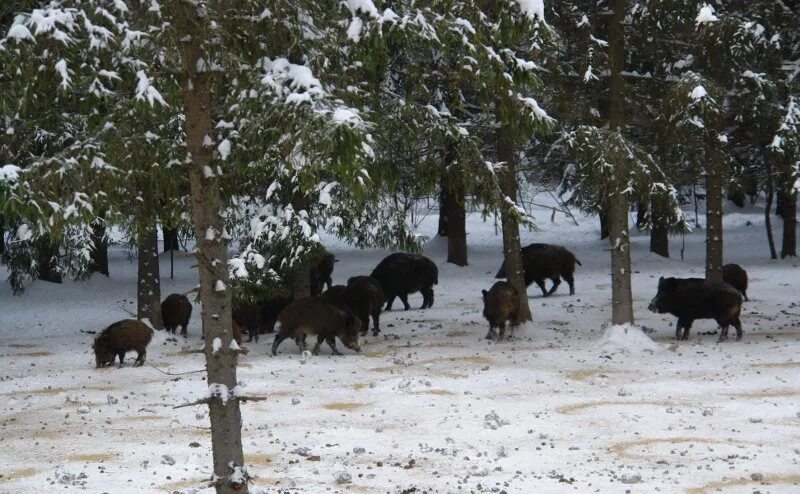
(626, 338)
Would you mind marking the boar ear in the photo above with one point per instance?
(661, 279)
(484, 292)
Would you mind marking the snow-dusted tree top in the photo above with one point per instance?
(296, 126)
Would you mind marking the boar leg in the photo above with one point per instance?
(686, 327)
(427, 298)
(556, 281)
(390, 298)
(723, 332)
(121, 359)
(364, 317)
(376, 315)
(404, 299)
(278, 339)
(332, 343)
(491, 334)
(502, 331)
(140, 356)
(570, 279)
(320, 339)
(301, 342)
(738, 325)
(540, 283)
(184, 332)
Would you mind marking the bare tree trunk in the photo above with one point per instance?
(789, 243)
(443, 197)
(47, 260)
(603, 215)
(512, 250)
(170, 239)
(2, 235)
(230, 476)
(99, 252)
(773, 253)
(714, 203)
(621, 288)
(659, 234)
(301, 283)
(618, 204)
(641, 214)
(779, 204)
(148, 292)
(457, 225)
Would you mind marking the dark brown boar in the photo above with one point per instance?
(363, 296)
(119, 338)
(696, 298)
(312, 316)
(735, 276)
(500, 304)
(176, 311)
(545, 261)
(248, 316)
(366, 298)
(321, 274)
(400, 274)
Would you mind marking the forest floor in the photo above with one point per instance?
(430, 406)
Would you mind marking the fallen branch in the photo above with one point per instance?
(126, 310)
(174, 373)
(206, 401)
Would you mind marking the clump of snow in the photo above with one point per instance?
(224, 149)
(532, 8)
(354, 30)
(216, 345)
(9, 173)
(365, 6)
(699, 93)
(706, 15)
(219, 286)
(146, 91)
(626, 338)
(217, 390)
(63, 71)
(19, 33)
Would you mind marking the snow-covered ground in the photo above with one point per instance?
(431, 406)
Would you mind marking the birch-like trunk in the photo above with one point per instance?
(99, 251)
(512, 250)
(148, 290)
(773, 253)
(215, 296)
(714, 202)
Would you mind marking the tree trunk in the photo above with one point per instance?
(659, 233)
(779, 204)
(603, 215)
(618, 203)
(2, 235)
(148, 291)
(230, 475)
(789, 244)
(641, 215)
(443, 197)
(47, 260)
(621, 287)
(714, 202)
(773, 253)
(457, 224)
(99, 252)
(170, 239)
(301, 283)
(512, 250)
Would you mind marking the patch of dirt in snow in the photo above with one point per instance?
(31, 354)
(768, 393)
(770, 480)
(437, 392)
(777, 365)
(91, 457)
(22, 345)
(646, 452)
(345, 406)
(577, 407)
(587, 374)
(20, 473)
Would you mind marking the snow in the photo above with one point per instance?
(626, 338)
(354, 30)
(698, 92)
(706, 15)
(63, 71)
(9, 173)
(145, 90)
(569, 414)
(224, 149)
(216, 345)
(219, 286)
(19, 32)
(532, 8)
